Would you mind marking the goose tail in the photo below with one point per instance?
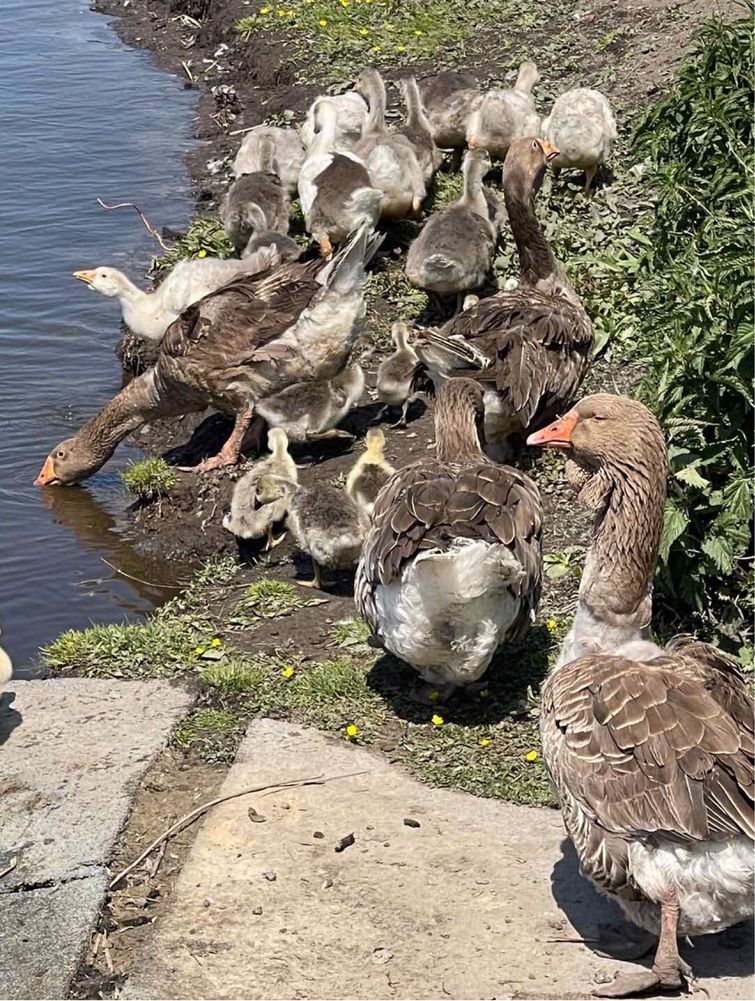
(346, 271)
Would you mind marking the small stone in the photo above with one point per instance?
(257, 910)
(381, 956)
(345, 843)
(318, 834)
(270, 876)
(327, 883)
(207, 902)
(411, 822)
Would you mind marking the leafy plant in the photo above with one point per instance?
(695, 308)
(149, 479)
(204, 238)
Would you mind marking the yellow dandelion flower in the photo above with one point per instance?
(364, 31)
(216, 642)
(344, 3)
(199, 650)
(282, 13)
(437, 720)
(484, 741)
(264, 10)
(419, 33)
(352, 730)
(323, 22)
(551, 624)
(388, 27)
(532, 755)
(287, 672)
(376, 48)
(400, 48)
(202, 253)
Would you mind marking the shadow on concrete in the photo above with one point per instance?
(10, 718)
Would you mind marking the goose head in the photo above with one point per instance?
(72, 461)
(106, 281)
(526, 162)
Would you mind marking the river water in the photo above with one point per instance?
(81, 117)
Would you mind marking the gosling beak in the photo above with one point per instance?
(473, 143)
(47, 474)
(85, 276)
(558, 434)
(549, 149)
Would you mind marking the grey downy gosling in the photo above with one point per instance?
(256, 202)
(370, 472)
(310, 411)
(254, 513)
(396, 374)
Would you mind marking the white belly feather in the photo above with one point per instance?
(450, 610)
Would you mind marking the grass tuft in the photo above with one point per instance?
(149, 479)
(213, 732)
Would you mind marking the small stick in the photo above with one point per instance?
(316, 780)
(187, 71)
(10, 867)
(140, 580)
(158, 860)
(130, 205)
(108, 957)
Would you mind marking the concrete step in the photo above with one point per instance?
(72, 752)
(472, 899)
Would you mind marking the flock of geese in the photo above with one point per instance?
(650, 748)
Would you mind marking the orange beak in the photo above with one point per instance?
(549, 149)
(85, 276)
(47, 474)
(558, 434)
(473, 143)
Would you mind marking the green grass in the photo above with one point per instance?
(204, 238)
(149, 479)
(351, 633)
(346, 35)
(214, 733)
(269, 599)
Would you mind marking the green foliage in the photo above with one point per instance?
(269, 599)
(695, 308)
(351, 633)
(347, 35)
(204, 238)
(213, 732)
(149, 479)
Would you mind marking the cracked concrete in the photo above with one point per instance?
(72, 753)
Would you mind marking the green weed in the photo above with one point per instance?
(204, 238)
(149, 479)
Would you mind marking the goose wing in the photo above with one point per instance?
(533, 346)
(664, 747)
(429, 504)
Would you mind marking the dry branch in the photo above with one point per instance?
(148, 226)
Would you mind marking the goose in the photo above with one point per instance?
(396, 374)
(248, 518)
(288, 154)
(370, 472)
(256, 202)
(248, 340)
(582, 127)
(326, 524)
(505, 115)
(310, 411)
(351, 112)
(417, 129)
(6, 667)
(334, 187)
(449, 99)
(528, 345)
(650, 748)
(390, 157)
(149, 314)
(455, 249)
(451, 566)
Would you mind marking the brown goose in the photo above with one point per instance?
(528, 345)
(244, 342)
(449, 98)
(651, 749)
(451, 566)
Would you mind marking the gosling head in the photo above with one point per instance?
(375, 442)
(72, 461)
(106, 281)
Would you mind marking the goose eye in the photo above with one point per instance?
(60, 454)
(535, 144)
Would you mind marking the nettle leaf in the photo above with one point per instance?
(675, 521)
(718, 549)
(691, 476)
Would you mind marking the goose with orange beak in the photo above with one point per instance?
(651, 749)
(528, 346)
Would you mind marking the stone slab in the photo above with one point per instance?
(71, 754)
(43, 935)
(482, 900)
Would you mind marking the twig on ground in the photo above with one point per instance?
(148, 226)
(157, 860)
(187, 71)
(106, 952)
(315, 780)
(10, 867)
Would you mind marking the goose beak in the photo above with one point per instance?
(47, 474)
(473, 143)
(85, 276)
(558, 434)
(549, 149)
